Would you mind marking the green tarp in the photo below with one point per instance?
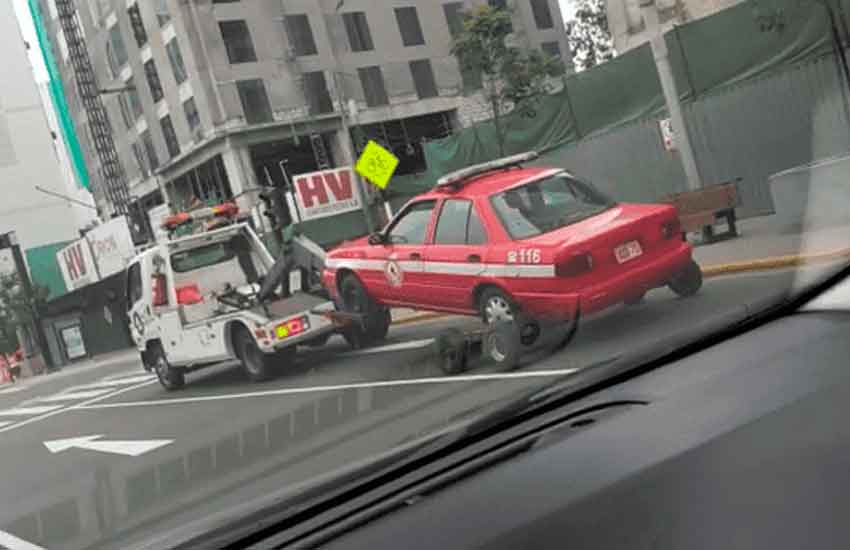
(707, 55)
(44, 270)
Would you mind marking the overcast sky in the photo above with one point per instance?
(567, 10)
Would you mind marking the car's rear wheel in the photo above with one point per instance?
(688, 281)
(498, 307)
(260, 366)
(171, 378)
(376, 319)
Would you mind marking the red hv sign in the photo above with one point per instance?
(326, 193)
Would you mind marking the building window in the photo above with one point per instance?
(542, 14)
(137, 24)
(255, 101)
(408, 25)
(423, 78)
(163, 16)
(553, 50)
(126, 113)
(150, 150)
(500, 5)
(300, 35)
(316, 91)
(116, 50)
(373, 86)
(153, 81)
(176, 60)
(193, 118)
(139, 155)
(454, 17)
(133, 98)
(357, 29)
(170, 136)
(237, 40)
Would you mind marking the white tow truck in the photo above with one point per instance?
(218, 294)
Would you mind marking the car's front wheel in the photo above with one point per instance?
(688, 281)
(171, 378)
(376, 318)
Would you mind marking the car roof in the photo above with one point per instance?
(491, 182)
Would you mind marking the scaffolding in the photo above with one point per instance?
(114, 181)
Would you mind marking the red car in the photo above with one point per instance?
(499, 238)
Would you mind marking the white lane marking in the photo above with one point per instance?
(26, 411)
(117, 382)
(315, 389)
(5, 423)
(10, 541)
(71, 395)
(73, 407)
(136, 447)
(12, 389)
(414, 344)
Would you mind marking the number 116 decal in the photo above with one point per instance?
(524, 256)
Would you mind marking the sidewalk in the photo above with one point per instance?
(763, 244)
(85, 366)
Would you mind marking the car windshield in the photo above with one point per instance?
(546, 205)
(400, 214)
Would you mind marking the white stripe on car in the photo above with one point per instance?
(448, 268)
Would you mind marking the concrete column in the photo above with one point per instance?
(238, 165)
(671, 93)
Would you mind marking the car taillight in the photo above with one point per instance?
(574, 265)
(671, 228)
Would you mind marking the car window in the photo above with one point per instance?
(546, 205)
(412, 226)
(453, 221)
(134, 284)
(475, 233)
(204, 256)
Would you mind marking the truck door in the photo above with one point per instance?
(135, 302)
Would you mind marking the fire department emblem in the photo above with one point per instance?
(395, 276)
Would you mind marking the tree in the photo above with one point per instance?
(588, 35)
(16, 311)
(513, 78)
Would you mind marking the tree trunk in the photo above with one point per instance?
(497, 123)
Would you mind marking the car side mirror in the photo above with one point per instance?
(377, 238)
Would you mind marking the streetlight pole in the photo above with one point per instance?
(671, 93)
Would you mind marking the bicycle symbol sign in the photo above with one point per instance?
(376, 164)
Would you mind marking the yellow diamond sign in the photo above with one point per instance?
(376, 164)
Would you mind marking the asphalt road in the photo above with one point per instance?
(149, 461)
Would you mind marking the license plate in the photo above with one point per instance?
(627, 251)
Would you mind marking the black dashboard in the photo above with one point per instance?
(745, 444)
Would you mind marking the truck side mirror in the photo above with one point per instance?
(377, 238)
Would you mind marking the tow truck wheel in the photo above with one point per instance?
(688, 281)
(258, 366)
(504, 344)
(171, 378)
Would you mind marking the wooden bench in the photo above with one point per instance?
(699, 210)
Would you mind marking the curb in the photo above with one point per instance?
(762, 264)
(776, 262)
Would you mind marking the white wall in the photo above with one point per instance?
(27, 154)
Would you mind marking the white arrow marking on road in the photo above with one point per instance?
(89, 442)
(10, 541)
(118, 381)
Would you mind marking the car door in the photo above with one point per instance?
(406, 240)
(455, 259)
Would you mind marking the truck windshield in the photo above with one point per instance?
(204, 256)
(546, 205)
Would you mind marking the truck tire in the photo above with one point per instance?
(171, 378)
(451, 351)
(259, 366)
(376, 318)
(688, 281)
(503, 344)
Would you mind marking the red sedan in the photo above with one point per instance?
(499, 239)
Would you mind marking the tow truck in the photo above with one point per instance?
(217, 294)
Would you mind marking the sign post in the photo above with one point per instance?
(326, 193)
(377, 165)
